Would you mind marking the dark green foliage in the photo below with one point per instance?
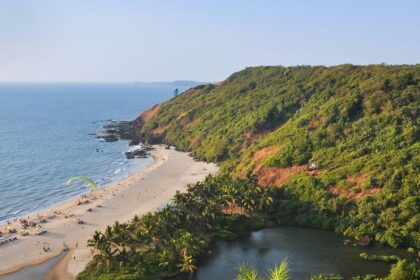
(327, 277)
(227, 235)
(403, 271)
(304, 200)
(348, 120)
(387, 259)
(169, 241)
(241, 223)
(366, 277)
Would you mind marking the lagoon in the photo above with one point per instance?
(309, 252)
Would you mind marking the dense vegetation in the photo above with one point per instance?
(342, 141)
(169, 241)
(335, 148)
(172, 240)
(380, 258)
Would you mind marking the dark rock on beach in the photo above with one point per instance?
(139, 151)
(126, 131)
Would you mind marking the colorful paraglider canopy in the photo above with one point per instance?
(84, 179)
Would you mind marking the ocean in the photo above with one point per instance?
(45, 138)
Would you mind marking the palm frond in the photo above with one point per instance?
(280, 272)
(247, 273)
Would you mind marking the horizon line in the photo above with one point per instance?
(103, 82)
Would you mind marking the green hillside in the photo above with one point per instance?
(342, 142)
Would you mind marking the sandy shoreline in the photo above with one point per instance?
(138, 194)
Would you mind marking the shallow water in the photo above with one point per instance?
(44, 139)
(308, 251)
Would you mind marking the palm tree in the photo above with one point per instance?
(187, 264)
(230, 195)
(280, 272)
(265, 200)
(102, 243)
(137, 262)
(120, 236)
(187, 244)
(165, 259)
(95, 241)
(247, 273)
(251, 179)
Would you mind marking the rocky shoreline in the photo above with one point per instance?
(115, 130)
(124, 130)
(140, 143)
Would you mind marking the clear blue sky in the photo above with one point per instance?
(101, 40)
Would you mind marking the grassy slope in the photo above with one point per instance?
(358, 124)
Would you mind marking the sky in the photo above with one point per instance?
(127, 40)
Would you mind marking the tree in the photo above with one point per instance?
(403, 271)
(265, 200)
(280, 272)
(102, 243)
(187, 264)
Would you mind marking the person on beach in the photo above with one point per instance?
(45, 248)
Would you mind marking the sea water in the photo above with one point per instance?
(45, 138)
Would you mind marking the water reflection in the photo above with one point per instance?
(309, 252)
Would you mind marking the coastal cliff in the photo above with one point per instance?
(341, 141)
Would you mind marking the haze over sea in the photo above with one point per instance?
(45, 139)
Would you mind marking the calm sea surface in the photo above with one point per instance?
(44, 139)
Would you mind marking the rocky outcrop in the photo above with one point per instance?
(119, 130)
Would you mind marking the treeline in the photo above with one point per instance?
(174, 239)
(169, 241)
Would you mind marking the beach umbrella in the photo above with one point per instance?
(84, 179)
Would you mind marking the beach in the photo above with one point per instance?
(138, 194)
